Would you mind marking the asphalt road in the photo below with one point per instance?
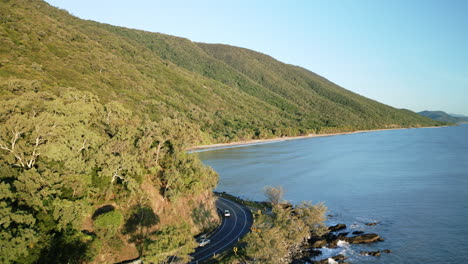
(231, 229)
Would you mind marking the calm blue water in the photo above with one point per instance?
(413, 181)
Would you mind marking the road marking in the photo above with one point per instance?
(235, 237)
(243, 226)
(222, 238)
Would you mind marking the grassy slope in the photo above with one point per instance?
(231, 93)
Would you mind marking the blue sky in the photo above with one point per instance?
(408, 54)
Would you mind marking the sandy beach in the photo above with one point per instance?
(256, 141)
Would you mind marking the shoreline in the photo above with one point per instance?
(279, 139)
(311, 249)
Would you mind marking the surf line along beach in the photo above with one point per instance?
(279, 139)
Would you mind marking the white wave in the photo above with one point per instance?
(343, 248)
(343, 244)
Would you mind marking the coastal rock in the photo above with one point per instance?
(330, 237)
(337, 227)
(363, 239)
(330, 215)
(372, 224)
(339, 258)
(319, 243)
(344, 234)
(306, 255)
(374, 253)
(370, 253)
(358, 232)
(333, 244)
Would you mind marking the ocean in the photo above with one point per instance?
(412, 182)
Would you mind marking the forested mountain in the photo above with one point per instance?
(444, 117)
(230, 93)
(95, 120)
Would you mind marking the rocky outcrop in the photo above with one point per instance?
(331, 240)
(339, 258)
(363, 239)
(370, 253)
(319, 243)
(374, 253)
(337, 227)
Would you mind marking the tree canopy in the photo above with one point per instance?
(61, 154)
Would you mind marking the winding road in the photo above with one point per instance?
(228, 233)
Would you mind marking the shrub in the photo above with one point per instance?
(107, 224)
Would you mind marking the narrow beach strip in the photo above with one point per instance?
(279, 139)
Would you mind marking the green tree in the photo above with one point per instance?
(313, 216)
(172, 243)
(139, 224)
(266, 246)
(108, 224)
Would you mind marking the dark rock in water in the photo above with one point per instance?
(374, 253)
(330, 215)
(372, 224)
(370, 253)
(333, 244)
(339, 258)
(314, 253)
(330, 237)
(344, 234)
(319, 243)
(358, 232)
(337, 227)
(363, 239)
(334, 239)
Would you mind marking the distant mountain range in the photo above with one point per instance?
(444, 117)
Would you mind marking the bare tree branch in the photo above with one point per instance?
(83, 146)
(116, 175)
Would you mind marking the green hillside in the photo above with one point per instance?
(230, 93)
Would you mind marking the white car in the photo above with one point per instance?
(203, 242)
(227, 213)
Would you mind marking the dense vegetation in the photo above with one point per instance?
(67, 160)
(95, 120)
(444, 117)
